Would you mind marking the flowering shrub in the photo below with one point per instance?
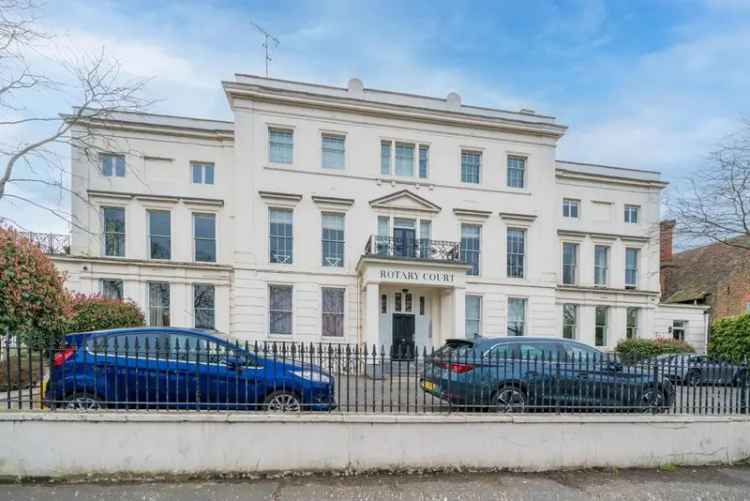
(635, 350)
(730, 338)
(90, 313)
(33, 303)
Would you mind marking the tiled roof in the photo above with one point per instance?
(697, 272)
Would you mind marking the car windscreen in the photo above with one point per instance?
(455, 348)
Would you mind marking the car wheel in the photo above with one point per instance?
(653, 398)
(82, 402)
(510, 399)
(283, 401)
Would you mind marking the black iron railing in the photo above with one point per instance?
(434, 250)
(96, 375)
(54, 244)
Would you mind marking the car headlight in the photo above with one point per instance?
(315, 377)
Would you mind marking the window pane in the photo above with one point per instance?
(281, 236)
(208, 174)
(516, 172)
(197, 174)
(333, 152)
(112, 289)
(424, 156)
(119, 166)
(601, 326)
(470, 166)
(281, 144)
(601, 258)
(159, 234)
(158, 301)
(632, 323)
(114, 231)
(631, 267)
(516, 252)
(473, 316)
(204, 306)
(280, 311)
(112, 165)
(404, 159)
(471, 247)
(204, 228)
(333, 312)
(385, 158)
(570, 257)
(570, 319)
(425, 235)
(333, 240)
(516, 316)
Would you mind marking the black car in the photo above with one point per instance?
(513, 374)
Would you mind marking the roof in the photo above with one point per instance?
(696, 273)
(609, 171)
(166, 121)
(355, 95)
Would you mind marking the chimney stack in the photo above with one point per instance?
(666, 233)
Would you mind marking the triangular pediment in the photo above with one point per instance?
(404, 200)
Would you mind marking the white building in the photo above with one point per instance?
(365, 216)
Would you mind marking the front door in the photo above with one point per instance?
(404, 242)
(403, 337)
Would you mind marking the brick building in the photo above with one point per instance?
(716, 275)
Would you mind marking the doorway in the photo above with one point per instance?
(402, 347)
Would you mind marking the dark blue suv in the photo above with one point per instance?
(515, 374)
(180, 368)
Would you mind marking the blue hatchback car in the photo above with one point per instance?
(163, 368)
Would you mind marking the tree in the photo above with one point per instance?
(94, 82)
(90, 313)
(33, 303)
(716, 205)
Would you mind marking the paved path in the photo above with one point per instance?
(720, 483)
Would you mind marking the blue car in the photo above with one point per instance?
(173, 368)
(517, 374)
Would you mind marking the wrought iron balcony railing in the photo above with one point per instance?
(53, 244)
(431, 250)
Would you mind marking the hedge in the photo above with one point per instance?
(33, 303)
(730, 338)
(91, 313)
(635, 350)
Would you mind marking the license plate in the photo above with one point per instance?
(428, 386)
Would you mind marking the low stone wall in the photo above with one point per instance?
(62, 444)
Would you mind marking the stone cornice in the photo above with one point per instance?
(152, 197)
(601, 178)
(387, 110)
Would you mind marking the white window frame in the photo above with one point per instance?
(280, 128)
(102, 225)
(525, 315)
(268, 310)
(202, 165)
(577, 262)
(606, 265)
(567, 204)
(338, 135)
(416, 145)
(637, 327)
(103, 280)
(478, 151)
(192, 286)
(216, 234)
(480, 298)
(628, 210)
(576, 322)
(525, 159)
(343, 312)
(607, 323)
(637, 267)
(100, 166)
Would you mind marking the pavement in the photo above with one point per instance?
(673, 483)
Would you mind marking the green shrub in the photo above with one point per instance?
(91, 313)
(33, 302)
(730, 338)
(635, 350)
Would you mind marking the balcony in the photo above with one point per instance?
(414, 249)
(53, 244)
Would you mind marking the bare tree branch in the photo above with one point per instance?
(96, 84)
(716, 207)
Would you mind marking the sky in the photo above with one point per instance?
(650, 84)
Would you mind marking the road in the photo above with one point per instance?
(679, 484)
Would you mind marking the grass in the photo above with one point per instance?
(668, 467)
